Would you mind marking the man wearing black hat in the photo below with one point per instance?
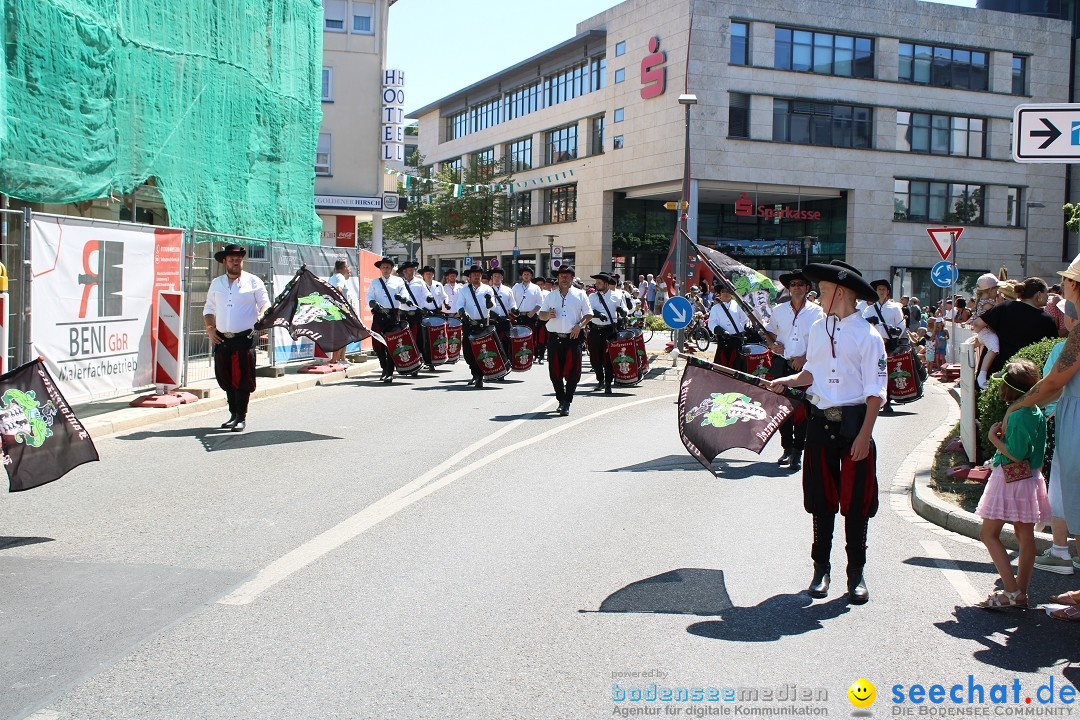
(566, 312)
(504, 309)
(788, 330)
(411, 310)
(234, 303)
(528, 296)
(885, 313)
(846, 370)
(473, 305)
(428, 295)
(385, 296)
(606, 310)
(450, 286)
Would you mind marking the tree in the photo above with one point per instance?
(421, 219)
(1072, 216)
(483, 207)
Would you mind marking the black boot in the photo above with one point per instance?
(856, 587)
(855, 530)
(820, 552)
(228, 424)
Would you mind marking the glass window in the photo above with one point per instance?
(598, 72)
(620, 48)
(618, 115)
(824, 53)
(940, 134)
(901, 191)
(620, 75)
(561, 204)
(483, 162)
(519, 155)
(924, 200)
(327, 84)
(782, 48)
(903, 131)
(943, 66)
(363, 12)
(524, 100)
(740, 33)
(617, 142)
(1019, 75)
(457, 125)
(562, 144)
(484, 115)
(521, 207)
(1012, 210)
(334, 12)
(596, 134)
(822, 124)
(322, 155)
(738, 115)
(454, 165)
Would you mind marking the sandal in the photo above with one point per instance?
(1003, 599)
(1070, 613)
(1067, 598)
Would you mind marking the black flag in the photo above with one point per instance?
(41, 437)
(721, 409)
(313, 308)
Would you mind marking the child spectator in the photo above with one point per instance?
(986, 297)
(941, 343)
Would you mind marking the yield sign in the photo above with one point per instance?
(944, 238)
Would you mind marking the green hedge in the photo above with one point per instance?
(656, 322)
(991, 406)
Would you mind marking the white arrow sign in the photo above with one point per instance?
(678, 314)
(1046, 133)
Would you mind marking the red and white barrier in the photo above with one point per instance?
(167, 349)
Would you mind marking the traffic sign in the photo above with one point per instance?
(944, 274)
(468, 260)
(494, 263)
(517, 251)
(556, 251)
(944, 238)
(677, 312)
(673, 205)
(1046, 133)
(556, 263)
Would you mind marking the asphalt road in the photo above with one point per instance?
(425, 550)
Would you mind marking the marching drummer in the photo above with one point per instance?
(504, 309)
(528, 298)
(429, 296)
(450, 288)
(787, 331)
(410, 310)
(541, 328)
(727, 322)
(846, 371)
(606, 309)
(566, 312)
(885, 313)
(385, 296)
(473, 303)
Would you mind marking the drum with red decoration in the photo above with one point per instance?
(403, 349)
(904, 382)
(488, 354)
(757, 359)
(453, 340)
(625, 360)
(435, 327)
(521, 348)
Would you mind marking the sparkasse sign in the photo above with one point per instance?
(745, 208)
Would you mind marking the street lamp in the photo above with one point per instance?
(807, 243)
(1027, 222)
(551, 247)
(686, 100)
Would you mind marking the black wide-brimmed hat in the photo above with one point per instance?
(426, 269)
(450, 271)
(844, 275)
(786, 278)
(498, 270)
(528, 269)
(566, 269)
(382, 261)
(230, 249)
(474, 268)
(409, 264)
(605, 277)
(884, 282)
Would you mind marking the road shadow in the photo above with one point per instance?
(661, 464)
(770, 620)
(1033, 641)
(376, 383)
(897, 413)
(685, 591)
(966, 565)
(461, 385)
(6, 543)
(215, 439)
(542, 415)
(745, 469)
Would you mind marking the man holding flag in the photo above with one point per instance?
(846, 371)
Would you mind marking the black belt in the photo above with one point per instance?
(230, 335)
(561, 336)
(833, 414)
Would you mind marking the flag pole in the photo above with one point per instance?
(793, 393)
(731, 288)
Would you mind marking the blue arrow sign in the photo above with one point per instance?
(944, 274)
(677, 313)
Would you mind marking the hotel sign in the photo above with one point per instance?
(348, 202)
(745, 208)
(393, 117)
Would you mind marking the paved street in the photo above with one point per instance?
(424, 550)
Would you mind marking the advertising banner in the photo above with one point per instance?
(94, 291)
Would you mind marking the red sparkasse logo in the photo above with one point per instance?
(653, 72)
(745, 208)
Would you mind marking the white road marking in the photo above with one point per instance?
(45, 714)
(397, 501)
(956, 577)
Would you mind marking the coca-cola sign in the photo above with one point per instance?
(745, 208)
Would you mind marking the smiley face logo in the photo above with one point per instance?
(862, 693)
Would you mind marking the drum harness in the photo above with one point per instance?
(607, 311)
(390, 312)
(891, 343)
(733, 324)
(486, 318)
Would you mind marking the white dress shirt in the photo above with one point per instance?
(396, 286)
(435, 290)
(599, 312)
(528, 297)
(236, 305)
(719, 319)
(341, 282)
(859, 369)
(450, 290)
(476, 310)
(502, 292)
(420, 292)
(569, 310)
(893, 313)
(793, 328)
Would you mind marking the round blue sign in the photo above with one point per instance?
(677, 313)
(944, 274)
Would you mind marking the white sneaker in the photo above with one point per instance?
(1052, 563)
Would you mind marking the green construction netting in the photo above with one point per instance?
(217, 99)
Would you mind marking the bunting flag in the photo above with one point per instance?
(455, 190)
(42, 440)
(721, 408)
(412, 181)
(313, 308)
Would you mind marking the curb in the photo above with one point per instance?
(932, 508)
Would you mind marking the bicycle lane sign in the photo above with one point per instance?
(677, 313)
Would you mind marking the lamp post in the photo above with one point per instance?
(1027, 222)
(551, 246)
(807, 244)
(686, 100)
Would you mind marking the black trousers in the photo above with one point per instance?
(380, 322)
(234, 370)
(793, 430)
(599, 357)
(414, 321)
(564, 366)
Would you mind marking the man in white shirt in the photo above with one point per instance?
(234, 303)
(428, 295)
(504, 309)
(788, 330)
(450, 287)
(340, 281)
(385, 296)
(528, 297)
(606, 309)
(566, 312)
(846, 370)
(727, 322)
(473, 304)
(885, 313)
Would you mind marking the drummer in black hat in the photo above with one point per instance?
(385, 296)
(234, 303)
(846, 371)
(788, 331)
(428, 293)
(885, 313)
(567, 312)
(528, 296)
(606, 305)
(473, 305)
(415, 296)
(450, 287)
(505, 308)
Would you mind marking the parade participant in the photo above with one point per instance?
(541, 338)
(605, 310)
(410, 308)
(505, 308)
(727, 323)
(450, 288)
(787, 331)
(385, 296)
(429, 297)
(234, 303)
(885, 313)
(566, 313)
(435, 299)
(340, 280)
(846, 371)
(473, 305)
(528, 297)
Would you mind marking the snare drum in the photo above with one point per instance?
(756, 359)
(402, 348)
(625, 361)
(521, 348)
(904, 385)
(437, 338)
(489, 357)
(453, 340)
